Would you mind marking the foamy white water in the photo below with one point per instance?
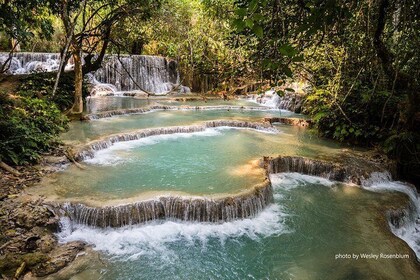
(292, 180)
(135, 241)
(410, 231)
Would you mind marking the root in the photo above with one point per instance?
(70, 155)
(9, 169)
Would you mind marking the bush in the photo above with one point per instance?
(40, 85)
(29, 126)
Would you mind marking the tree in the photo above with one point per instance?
(22, 20)
(193, 32)
(361, 58)
(88, 26)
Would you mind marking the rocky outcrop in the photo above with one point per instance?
(28, 242)
(289, 121)
(333, 170)
(58, 258)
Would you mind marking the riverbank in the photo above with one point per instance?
(28, 226)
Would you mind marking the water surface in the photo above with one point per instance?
(298, 237)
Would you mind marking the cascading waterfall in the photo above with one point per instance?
(139, 72)
(220, 209)
(195, 209)
(88, 151)
(27, 62)
(125, 73)
(329, 170)
(99, 89)
(288, 101)
(108, 114)
(404, 223)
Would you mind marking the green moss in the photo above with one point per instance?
(9, 263)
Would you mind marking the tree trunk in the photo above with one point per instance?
(15, 45)
(78, 82)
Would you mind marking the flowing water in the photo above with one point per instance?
(300, 236)
(314, 229)
(216, 160)
(86, 131)
(125, 73)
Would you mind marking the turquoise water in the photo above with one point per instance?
(211, 102)
(217, 160)
(85, 131)
(108, 103)
(298, 237)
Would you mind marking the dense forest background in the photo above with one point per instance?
(360, 60)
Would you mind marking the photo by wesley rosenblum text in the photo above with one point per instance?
(370, 256)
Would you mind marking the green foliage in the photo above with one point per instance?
(29, 127)
(194, 32)
(23, 20)
(40, 86)
(360, 57)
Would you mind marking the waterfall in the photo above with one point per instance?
(26, 62)
(404, 223)
(288, 101)
(88, 150)
(135, 72)
(224, 209)
(108, 114)
(99, 89)
(342, 172)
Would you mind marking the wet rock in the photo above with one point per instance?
(46, 243)
(31, 243)
(289, 121)
(10, 262)
(58, 258)
(33, 215)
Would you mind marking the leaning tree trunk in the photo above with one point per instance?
(78, 82)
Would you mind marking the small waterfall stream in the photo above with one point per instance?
(288, 101)
(224, 209)
(404, 223)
